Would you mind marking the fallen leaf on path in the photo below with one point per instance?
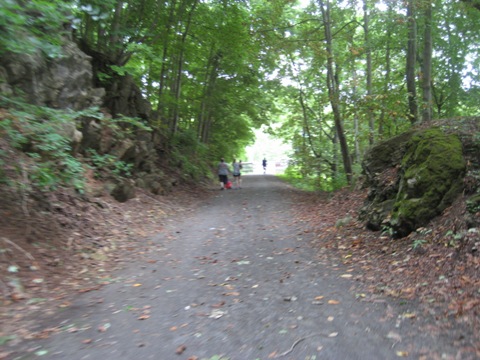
(346, 276)
(180, 349)
(217, 314)
(89, 289)
(103, 328)
(218, 305)
(394, 336)
(87, 341)
(137, 285)
(333, 302)
(402, 353)
(243, 262)
(319, 297)
(333, 334)
(272, 355)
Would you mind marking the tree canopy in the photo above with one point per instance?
(338, 75)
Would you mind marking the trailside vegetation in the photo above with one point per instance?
(337, 75)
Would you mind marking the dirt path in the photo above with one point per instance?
(238, 279)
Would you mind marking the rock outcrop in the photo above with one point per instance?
(413, 177)
(67, 82)
(63, 83)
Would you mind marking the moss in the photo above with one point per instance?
(385, 154)
(432, 167)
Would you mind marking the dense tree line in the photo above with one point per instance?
(338, 75)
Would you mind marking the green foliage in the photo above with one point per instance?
(473, 203)
(41, 133)
(213, 69)
(189, 155)
(296, 176)
(29, 26)
(453, 239)
(107, 165)
(123, 126)
(417, 243)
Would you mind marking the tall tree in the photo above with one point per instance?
(368, 70)
(411, 62)
(427, 64)
(333, 88)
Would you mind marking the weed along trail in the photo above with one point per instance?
(239, 279)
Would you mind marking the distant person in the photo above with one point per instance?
(223, 171)
(237, 174)
(264, 164)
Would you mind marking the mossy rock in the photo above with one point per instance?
(385, 154)
(432, 171)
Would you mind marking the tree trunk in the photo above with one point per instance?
(205, 119)
(368, 53)
(388, 69)
(333, 91)
(427, 66)
(115, 29)
(163, 78)
(411, 56)
(178, 83)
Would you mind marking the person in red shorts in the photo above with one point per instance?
(223, 171)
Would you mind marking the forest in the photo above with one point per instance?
(115, 113)
(331, 78)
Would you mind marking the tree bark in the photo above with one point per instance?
(178, 83)
(368, 53)
(333, 91)
(386, 82)
(410, 67)
(427, 66)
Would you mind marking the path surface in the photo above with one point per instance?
(234, 279)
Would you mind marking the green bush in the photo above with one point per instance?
(106, 165)
(29, 26)
(38, 132)
(189, 155)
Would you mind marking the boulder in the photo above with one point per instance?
(124, 190)
(62, 82)
(412, 178)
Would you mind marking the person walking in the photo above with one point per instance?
(223, 171)
(264, 164)
(237, 173)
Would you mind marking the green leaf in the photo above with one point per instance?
(7, 338)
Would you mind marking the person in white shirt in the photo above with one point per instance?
(237, 173)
